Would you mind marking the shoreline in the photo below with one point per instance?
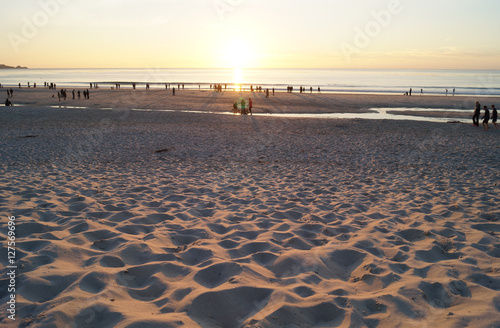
(233, 87)
(433, 82)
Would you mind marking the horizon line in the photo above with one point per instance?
(273, 68)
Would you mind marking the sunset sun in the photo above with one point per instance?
(239, 54)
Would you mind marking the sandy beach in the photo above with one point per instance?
(152, 218)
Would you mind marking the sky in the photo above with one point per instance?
(398, 34)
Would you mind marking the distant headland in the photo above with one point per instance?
(2, 66)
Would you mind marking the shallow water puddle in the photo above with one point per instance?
(376, 114)
(448, 115)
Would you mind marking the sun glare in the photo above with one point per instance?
(239, 54)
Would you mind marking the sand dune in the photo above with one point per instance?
(248, 222)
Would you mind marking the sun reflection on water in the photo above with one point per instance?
(238, 76)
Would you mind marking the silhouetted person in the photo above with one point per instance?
(494, 116)
(477, 112)
(73, 93)
(7, 102)
(486, 118)
(250, 105)
(173, 91)
(79, 94)
(410, 91)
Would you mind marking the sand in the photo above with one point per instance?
(171, 219)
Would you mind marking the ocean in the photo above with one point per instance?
(435, 82)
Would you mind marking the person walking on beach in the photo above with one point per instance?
(250, 105)
(173, 91)
(494, 116)
(243, 106)
(477, 112)
(486, 118)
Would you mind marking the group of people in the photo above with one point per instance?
(486, 116)
(302, 89)
(218, 87)
(243, 110)
(408, 93)
(63, 93)
(10, 94)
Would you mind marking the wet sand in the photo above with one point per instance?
(221, 102)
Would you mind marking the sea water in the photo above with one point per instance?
(389, 81)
